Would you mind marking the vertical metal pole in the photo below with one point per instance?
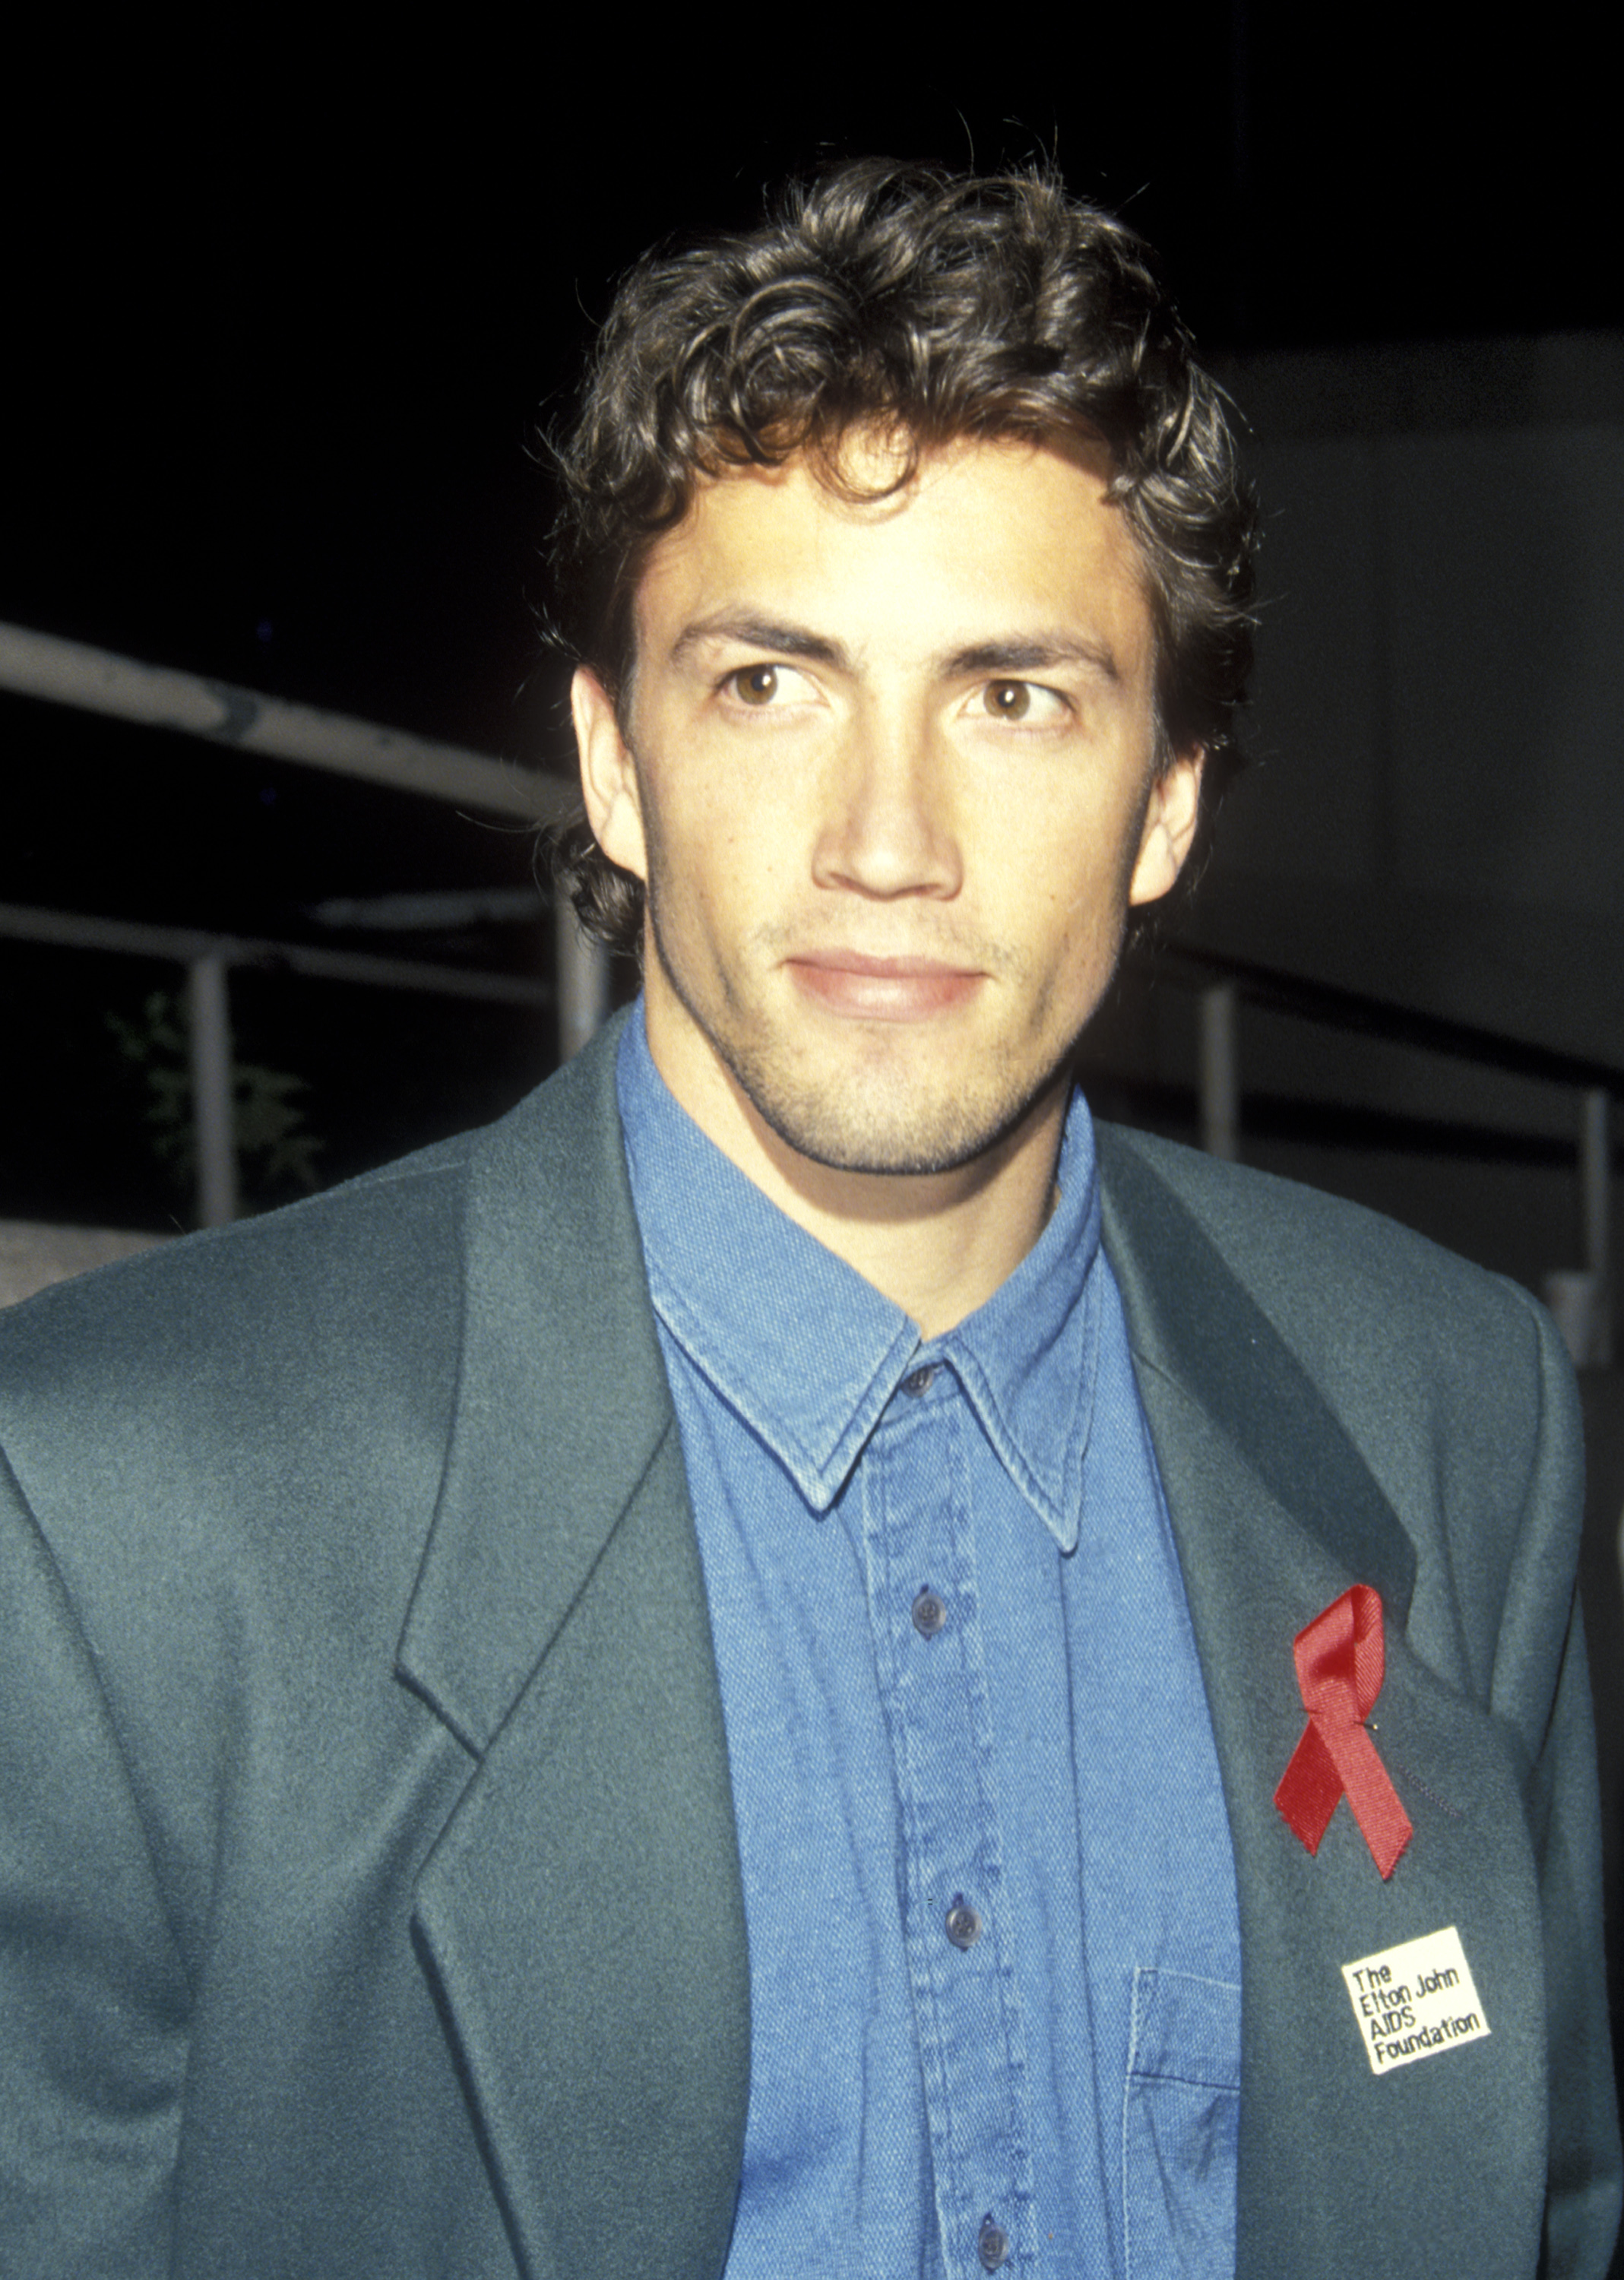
(1596, 1184)
(209, 1019)
(1220, 1080)
(1594, 1173)
(582, 967)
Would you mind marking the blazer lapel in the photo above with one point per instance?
(580, 1915)
(1275, 1513)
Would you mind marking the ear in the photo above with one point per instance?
(1170, 822)
(608, 776)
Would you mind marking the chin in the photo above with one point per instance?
(895, 1135)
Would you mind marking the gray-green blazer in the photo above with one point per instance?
(369, 1898)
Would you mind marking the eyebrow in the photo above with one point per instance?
(1042, 654)
(1015, 654)
(773, 633)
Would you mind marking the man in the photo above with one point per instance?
(758, 1666)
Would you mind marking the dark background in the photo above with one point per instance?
(290, 311)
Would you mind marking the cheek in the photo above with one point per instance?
(699, 874)
(1077, 888)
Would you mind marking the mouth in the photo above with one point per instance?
(861, 987)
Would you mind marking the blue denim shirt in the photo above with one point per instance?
(994, 1953)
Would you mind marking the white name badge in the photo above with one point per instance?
(1414, 2001)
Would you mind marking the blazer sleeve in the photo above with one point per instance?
(1542, 1634)
(1582, 2203)
(93, 1995)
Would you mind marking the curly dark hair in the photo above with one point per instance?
(934, 307)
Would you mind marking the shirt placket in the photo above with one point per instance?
(925, 1615)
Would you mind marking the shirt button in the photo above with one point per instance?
(917, 1380)
(929, 1613)
(992, 2245)
(964, 1929)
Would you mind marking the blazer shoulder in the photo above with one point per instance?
(1450, 1381)
(1302, 1252)
(386, 1248)
(329, 1332)
(235, 1293)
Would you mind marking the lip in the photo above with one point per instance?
(868, 989)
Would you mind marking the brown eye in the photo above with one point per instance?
(1009, 700)
(756, 684)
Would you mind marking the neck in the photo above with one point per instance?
(936, 1243)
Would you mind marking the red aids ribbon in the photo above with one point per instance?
(1340, 1664)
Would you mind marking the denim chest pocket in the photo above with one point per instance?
(1180, 2126)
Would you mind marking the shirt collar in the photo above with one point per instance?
(808, 1354)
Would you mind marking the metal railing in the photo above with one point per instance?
(207, 959)
(56, 671)
(1580, 1298)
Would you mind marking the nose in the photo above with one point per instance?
(889, 827)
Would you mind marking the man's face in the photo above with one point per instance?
(890, 782)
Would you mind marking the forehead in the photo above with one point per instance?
(985, 537)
